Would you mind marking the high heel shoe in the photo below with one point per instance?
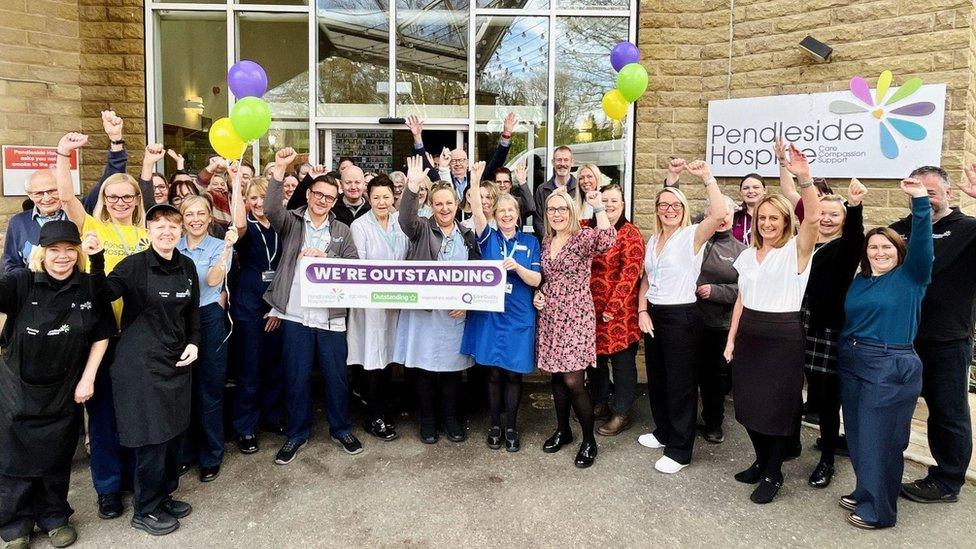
(586, 455)
(494, 439)
(558, 439)
(820, 478)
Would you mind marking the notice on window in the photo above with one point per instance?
(21, 161)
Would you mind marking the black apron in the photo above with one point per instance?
(39, 420)
(152, 395)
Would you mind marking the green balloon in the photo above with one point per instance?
(632, 81)
(251, 117)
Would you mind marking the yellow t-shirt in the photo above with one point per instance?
(119, 242)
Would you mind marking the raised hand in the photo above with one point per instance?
(112, 125)
(284, 157)
(595, 199)
(855, 192)
(154, 153)
(90, 244)
(675, 167)
(317, 170)
(508, 125)
(415, 172)
(71, 141)
(444, 160)
(970, 173)
(521, 173)
(913, 187)
(216, 163)
(430, 158)
(416, 126)
(189, 355)
(798, 165)
(230, 238)
(178, 158)
(477, 170)
(780, 148)
(699, 169)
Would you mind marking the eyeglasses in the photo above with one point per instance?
(458, 160)
(558, 209)
(159, 187)
(125, 198)
(673, 206)
(42, 194)
(322, 197)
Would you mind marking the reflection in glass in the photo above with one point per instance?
(583, 75)
(512, 56)
(278, 42)
(353, 58)
(593, 4)
(514, 4)
(281, 134)
(192, 81)
(432, 62)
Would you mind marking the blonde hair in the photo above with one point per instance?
(100, 212)
(835, 198)
(685, 210)
(35, 261)
(597, 174)
(783, 207)
(193, 200)
(492, 195)
(573, 224)
(259, 184)
(440, 186)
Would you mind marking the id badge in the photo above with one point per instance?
(267, 276)
(508, 288)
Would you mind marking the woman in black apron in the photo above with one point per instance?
(150, 374)
(52, 314)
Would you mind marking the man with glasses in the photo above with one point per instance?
(562, 177)
(459, 169)
(24, 229)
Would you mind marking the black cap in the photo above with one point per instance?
(59, 231)
(153, 212)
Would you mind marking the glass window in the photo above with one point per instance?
(274, 2)
(594, 4)
(281, 134)
(279, 43)
(583, 75)
(191, 84)
(512, 56)
(353, 58)
(432, 61)
(514, 4)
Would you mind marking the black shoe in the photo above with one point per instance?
(185, 468)
(109, 506)
(926, 491)
(848, 502)
(751, 475)
(428, 433)
(247, 444)
(349, 443)
(820, 478)
(558, 439)
(454, 430)
(794, 453)
(287, 452)
(586, 455)
(208, 474)
(767, 489)
(381, 430)
(176, 508)
(714, 435)
(494, 440)
(512, 442)
(158, 523)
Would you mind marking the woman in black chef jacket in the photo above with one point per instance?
(52, 314)
(150, 373)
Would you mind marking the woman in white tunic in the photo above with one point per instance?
(377, 235)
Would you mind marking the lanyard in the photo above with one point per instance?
(125, 247)
(390, 236)
(267, 251)
(314, 237)
(505, 253)
(447, 244)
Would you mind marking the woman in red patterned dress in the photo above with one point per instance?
(566, 335)
(614, 283)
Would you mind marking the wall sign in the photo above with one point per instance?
(20, 161)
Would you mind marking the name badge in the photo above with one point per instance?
(521, 248)
(267, 276)
(508, 288)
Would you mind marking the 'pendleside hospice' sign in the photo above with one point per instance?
(376, 284)
(855, 133)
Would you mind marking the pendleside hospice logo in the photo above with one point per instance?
(886, 110)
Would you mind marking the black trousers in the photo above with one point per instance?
(713, 377)
(672, 357)
(624, 364)
(945, 386)
(827, 387)
(157, 474)
(428, 384)
(29, 501)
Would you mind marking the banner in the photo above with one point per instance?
(376, 284)
(20, 161)
(844, 134)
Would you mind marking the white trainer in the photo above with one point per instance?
(648, 440)
(668, 466)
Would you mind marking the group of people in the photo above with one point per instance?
(135, 284)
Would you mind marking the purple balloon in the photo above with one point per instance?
(247, 79)
(624, 54)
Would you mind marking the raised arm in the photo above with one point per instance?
(72, 206)
(237, 211)
(117, 157)
(416, 127)
(852, 239)
(717, 208)
(504, 144)
(806, 237)
(921, 250)
(675, 167)
(477, 211)
(274, 206)
(786, 184)
(154, 153)
(410, 222)
(521, 190)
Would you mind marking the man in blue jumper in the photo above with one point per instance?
(24, 229)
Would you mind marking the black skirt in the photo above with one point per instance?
(767, 371)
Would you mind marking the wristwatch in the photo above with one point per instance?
(118, 141)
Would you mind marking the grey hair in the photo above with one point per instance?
(729, 203)
(505, 197)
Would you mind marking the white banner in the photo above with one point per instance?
(856, 133)
(375, 284)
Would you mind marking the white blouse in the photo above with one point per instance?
(773, 286)
(672, 277)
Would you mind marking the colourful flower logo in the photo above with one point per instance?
(885, 109)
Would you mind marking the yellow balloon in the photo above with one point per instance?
(224, 139)
(615, 104)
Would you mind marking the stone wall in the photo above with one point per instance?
(685, 46)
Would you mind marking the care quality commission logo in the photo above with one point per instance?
(885, 109)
